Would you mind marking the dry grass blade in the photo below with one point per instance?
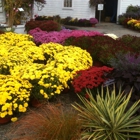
(49, 122)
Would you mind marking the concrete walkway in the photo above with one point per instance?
(112, 28)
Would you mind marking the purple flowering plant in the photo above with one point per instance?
(41, 37)
(93, 20)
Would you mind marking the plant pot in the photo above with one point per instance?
(66, 90)
(5, 120)
(97, 63)
(35, 102)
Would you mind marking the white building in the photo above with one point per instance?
(80, 9)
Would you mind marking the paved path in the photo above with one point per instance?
(111, 28)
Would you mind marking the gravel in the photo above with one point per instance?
(4, 128)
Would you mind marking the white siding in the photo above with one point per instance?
(80, 9)
(123, 4)
(2, 18)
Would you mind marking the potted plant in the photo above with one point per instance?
(93, 21)
(126, 74)
(45, 25)
(14, 96)
(91, 78)
(51, 79)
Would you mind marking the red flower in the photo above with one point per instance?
(90, 78)
(87, 96)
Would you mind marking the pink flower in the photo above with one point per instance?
(59, 37)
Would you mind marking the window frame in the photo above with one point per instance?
(63, 6)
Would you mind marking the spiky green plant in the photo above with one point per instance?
(108, 117)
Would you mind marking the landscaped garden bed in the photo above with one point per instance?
(131, 19)
(44, 64)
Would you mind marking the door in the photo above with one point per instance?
(110, 8)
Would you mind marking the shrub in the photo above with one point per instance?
(131, 41)
(58, 37)
(121, 19)
(61, 65)
(91, 78)
(86, 43)
(132, 8)
(126, 74)
(101, 48)
(132, 12)
(47, 123)
(11, 46)
(106, 113)
(79, 22)
(93, 20)
(14, 96)
(49, 67)
(43, 25)
(84, 23)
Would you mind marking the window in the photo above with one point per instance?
(1, 6)
(67, 3)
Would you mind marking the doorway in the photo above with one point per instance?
(109, 12)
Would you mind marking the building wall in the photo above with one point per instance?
(80, 9)
(2, 17)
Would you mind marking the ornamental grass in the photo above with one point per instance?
(49, 122)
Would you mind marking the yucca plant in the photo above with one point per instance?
(108, 117)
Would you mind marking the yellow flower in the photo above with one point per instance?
(3, 108)
(9, 98)
(22, 108)
(3, 114)
(46, 96)
(10, 112)
(41, 91)
(25, 104)
(14, 119)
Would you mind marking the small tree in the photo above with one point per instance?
(13, 12)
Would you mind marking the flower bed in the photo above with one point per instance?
(41, 36)
(131, 23)
(44, 25)
(102, 48)
(69, 20)
(91, 78)
(43, 71)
